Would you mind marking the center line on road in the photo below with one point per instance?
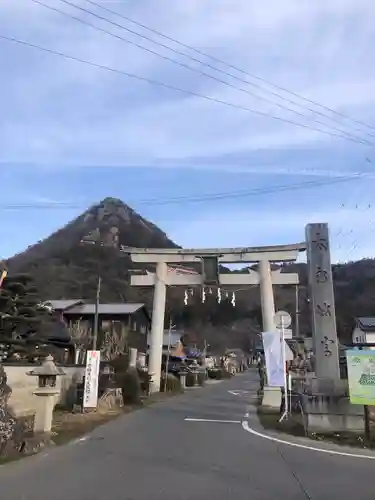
(213, 420)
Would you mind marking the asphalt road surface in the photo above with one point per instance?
(156, 454)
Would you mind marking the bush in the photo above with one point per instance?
(173, 383)
(120, 364)
(144, 380)
(131, 387)
(191, 377)
(226, 374)
(215, 374)
(219, 374)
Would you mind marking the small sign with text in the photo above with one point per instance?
(90, 394)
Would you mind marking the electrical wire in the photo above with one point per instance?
(208, 65)
(220, 61)
(186, 66)
(169, 87)
(199, 198)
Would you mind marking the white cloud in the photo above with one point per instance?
(58, 111)
(352, 230)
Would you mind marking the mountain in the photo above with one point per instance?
(67, 264)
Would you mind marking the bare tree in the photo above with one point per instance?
(82, 337)
(115, 344)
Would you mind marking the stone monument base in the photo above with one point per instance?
(327, 386)
(327, 414)
(271, 398)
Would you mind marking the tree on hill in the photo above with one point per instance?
(21, 317)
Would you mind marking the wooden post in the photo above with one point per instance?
(367, 425)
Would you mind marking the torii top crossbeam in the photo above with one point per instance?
(274, 253)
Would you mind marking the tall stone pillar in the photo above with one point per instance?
(271, 395)
(322, 302)
(266, 296)
(157, 326)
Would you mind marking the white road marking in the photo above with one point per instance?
(212, 420)
(238, 392)
(247, 428)
(79, 440)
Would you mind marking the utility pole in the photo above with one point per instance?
(204, 360)
(170, 329)
(96, 317)
(297, 311)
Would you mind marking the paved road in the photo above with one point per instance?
(155, 454)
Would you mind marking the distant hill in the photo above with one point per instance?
(67, 263)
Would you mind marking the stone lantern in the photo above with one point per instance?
(46, 392)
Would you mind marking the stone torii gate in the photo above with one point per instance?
(210, 259)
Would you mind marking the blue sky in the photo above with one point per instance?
(71, 134)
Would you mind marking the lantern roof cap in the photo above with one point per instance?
(48, 368)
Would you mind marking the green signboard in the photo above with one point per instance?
(361, 376)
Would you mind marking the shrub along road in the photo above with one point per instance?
(156, 454)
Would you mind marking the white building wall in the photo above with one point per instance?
(370, 339)
(358, 336)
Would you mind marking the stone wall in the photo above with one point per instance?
(23, 402)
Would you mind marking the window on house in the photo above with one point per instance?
(135, 326)
(143, 329)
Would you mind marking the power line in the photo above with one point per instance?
(220, 61)
(212, 67)
(181, 200)
(171, 87)
(186, 66)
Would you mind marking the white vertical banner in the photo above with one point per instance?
(90, 394)
(273, 352)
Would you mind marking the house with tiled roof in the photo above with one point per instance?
(364, 331)
(130, 319)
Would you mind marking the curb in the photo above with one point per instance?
(331, 450)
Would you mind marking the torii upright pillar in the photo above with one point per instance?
(267, 300)
(157, 325)
(162, 257)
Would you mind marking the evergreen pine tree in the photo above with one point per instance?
(21, 316)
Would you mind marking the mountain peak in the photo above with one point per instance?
(109, 201)
(112, 223)
(109, 223)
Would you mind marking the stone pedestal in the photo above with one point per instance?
(271, 398)
(44, 411)
(330, 414)
(183, 380)
(327, 386)
(46, 393)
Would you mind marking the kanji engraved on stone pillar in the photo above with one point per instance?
(322, 301)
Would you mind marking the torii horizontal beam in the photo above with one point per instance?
(275, 253)
(252, 278)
